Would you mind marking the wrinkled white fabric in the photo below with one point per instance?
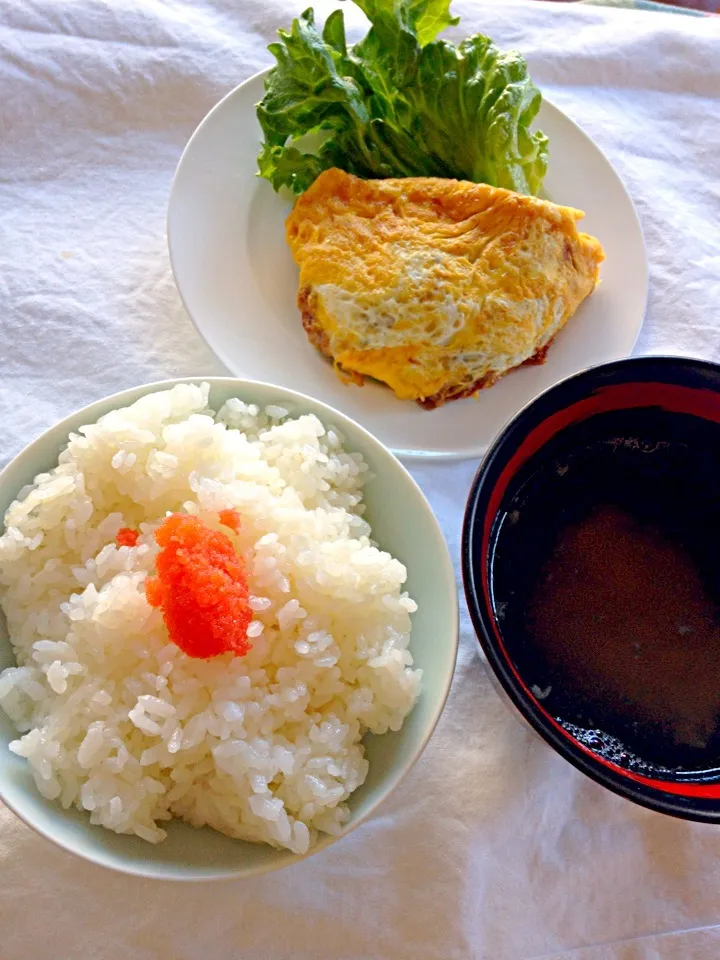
(494, 848)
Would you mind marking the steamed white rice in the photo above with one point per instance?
(116, 719)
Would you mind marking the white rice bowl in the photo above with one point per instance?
(114, 718)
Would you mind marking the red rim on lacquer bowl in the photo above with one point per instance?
(678, 385)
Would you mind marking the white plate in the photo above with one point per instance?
(238, 280)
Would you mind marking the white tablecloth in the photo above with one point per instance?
(494, 848)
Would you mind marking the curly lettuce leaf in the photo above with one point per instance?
(400, 103)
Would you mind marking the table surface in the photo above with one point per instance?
(494, 847)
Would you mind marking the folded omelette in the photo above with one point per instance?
(435, 287)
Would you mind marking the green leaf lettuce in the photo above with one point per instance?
(399, 103)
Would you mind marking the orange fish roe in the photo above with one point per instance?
(201, 587)
(230, 518)
(126, 537)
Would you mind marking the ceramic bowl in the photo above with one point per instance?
(402, 523)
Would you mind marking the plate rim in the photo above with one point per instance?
(442, 456)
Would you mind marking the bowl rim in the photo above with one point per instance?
(90, 413)
(665, 369)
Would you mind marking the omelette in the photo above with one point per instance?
(435, 287)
